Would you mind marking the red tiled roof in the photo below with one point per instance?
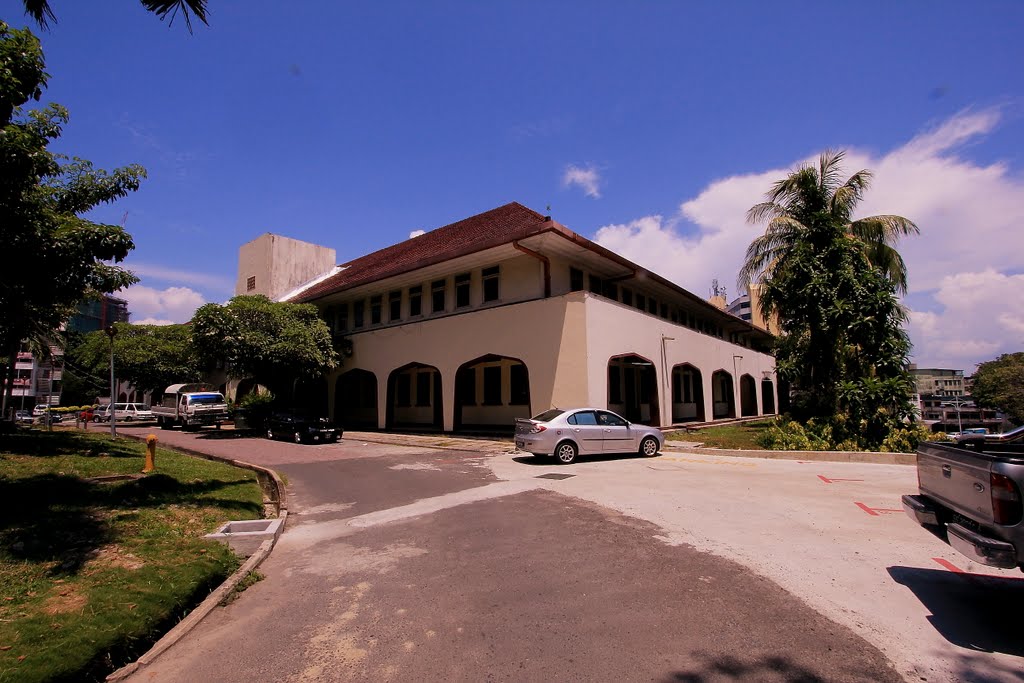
(476, 233)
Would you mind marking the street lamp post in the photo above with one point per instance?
(111, 331)
(958, 403)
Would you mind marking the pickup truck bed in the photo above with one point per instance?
(970, 494)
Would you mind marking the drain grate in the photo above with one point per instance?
(555, 475)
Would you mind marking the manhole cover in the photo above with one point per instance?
(555, 475)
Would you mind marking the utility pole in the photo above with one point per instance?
(111, 331)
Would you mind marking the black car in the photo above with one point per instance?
(302, 428)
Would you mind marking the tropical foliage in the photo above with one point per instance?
(999, 384)
(150, 357)
(61, 256)
(277, 344)
(42, 13)
(832, 283)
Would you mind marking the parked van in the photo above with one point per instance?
(126, 412)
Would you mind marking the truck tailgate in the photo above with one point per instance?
(957, 478)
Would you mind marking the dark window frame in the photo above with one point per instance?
(415, 301)
(423, 389)
(491, 284)
(492, 388)
(575, 279)
(519, 385)
(358, 313)
(376, 309)
(463, 283)
(394, 298)
(438, 295)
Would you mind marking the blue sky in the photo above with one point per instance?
(648, 126)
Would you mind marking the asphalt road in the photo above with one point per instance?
(413, 563)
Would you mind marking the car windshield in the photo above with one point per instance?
(205, 399)
(548, 415)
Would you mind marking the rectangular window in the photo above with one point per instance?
(462, 290)
(677, 389)
(519, 382)
(627, 296)
(358, 311)
(395, 306)
(652, 306)
(492, 385)
(611, 290)
(403, 390)
(342, 319)
(376, 303)
(614, 385)
(575, 279)
(596, 284)
(415, 300)
(490, 282)
(423, 389)
(250, 283)
(437, 296)
(641, 301)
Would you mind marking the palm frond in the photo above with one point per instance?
(885, 228)
(765, 211)
(768, 249)
(829, 169)
(889, 261)
(168, 9)
(849, 194)
(41, 12)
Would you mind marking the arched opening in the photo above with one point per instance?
(748, 396)
(122, 397)
(355, 400)
(490, 393)
(633, 389)
(245, 387)
(783, 396)
(414, 398)
(722, 395)
(768, 396)
(687, 394)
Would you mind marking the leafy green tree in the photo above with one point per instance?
(999, 384)
(151, 357)
(42, 13)
(842, 345)
(56, 257)
(277, 344)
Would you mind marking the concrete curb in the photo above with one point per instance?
(218, 595)
(814, 456)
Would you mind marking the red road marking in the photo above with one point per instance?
(949, 565)
(829, 481)
(875, 512)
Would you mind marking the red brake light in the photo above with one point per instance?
(1006, 500)
(537, 429)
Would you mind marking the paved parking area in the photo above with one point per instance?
(480, 520)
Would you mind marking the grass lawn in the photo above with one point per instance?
(91, 573)
(743, 436)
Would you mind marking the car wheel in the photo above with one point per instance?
(164, 423)
(127, 418)
(649, 446)
(270, 433)
(298, 437)
(566, 452)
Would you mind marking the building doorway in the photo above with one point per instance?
(768, 396)
(414, 398)
(490, 393)
(748, 396)
(687, 394)
(355, 400)
(722, 396)
(633, 389)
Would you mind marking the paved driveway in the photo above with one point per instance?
(409, 562)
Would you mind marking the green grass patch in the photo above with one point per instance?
(741, 436)
(92, 573)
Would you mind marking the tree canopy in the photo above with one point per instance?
(999, 384)
(61, 257)
(274, 343)
(832, 282)
(151, 357)
(43, 14)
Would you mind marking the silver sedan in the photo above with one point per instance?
(567, 434)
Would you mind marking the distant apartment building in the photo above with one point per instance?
(748, 307)
(98, 314)
(944, 402)
(37, 381)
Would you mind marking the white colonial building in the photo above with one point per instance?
(506, 314)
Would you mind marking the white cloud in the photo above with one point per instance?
(151, 306)
(586, 177)
(968, 214)
(417, 233)
(219, 283)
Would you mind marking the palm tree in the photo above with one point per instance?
(811, 207)
(41, 12)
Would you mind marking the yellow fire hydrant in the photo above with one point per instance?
(150, 454)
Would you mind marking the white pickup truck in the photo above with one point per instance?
(190, 406)
(970, 496)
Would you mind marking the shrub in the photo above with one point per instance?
(255, 409)
(906, 439)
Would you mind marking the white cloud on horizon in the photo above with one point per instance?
(417, 233)
(586, 177)
(220, 284)
(965, 211)
(149, 306)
